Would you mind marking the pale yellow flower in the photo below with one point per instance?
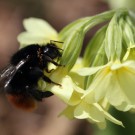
(68, 92)
(37, 31)
(114, 81)
(73, 96)
(94, 113)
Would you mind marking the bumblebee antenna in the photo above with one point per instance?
(51, 41)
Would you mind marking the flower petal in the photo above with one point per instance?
(92, 112)
(125, 106)
(84, 110)
(99, 86)
(130, 54)
(37, 31)
(122, 88)
(127, 64)
(89, 71)
(26, 38)
(64, 91)
(68, 112)
(112, 119)
(68, 91)
(39, 26)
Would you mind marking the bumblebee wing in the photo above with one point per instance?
(8, 73)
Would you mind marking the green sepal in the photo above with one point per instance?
(74, 33)
(113, 39)
(94, 53)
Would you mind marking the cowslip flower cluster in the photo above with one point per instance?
(103, 77)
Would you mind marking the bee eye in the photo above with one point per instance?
(51, 52)
(45, 50)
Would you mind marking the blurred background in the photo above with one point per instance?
(44, 120)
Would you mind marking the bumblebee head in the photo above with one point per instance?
(52, 51)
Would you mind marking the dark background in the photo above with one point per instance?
(58, 13)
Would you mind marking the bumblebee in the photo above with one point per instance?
(25, 69)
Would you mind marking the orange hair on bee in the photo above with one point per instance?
(22, 102)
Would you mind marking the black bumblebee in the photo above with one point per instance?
(25, 69)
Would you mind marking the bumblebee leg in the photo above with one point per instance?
(47, 70)
(50, 60)
(39, 95)
(36, 72)
(45, 65)
(46, 79)
(51, 41)
(47, 94)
